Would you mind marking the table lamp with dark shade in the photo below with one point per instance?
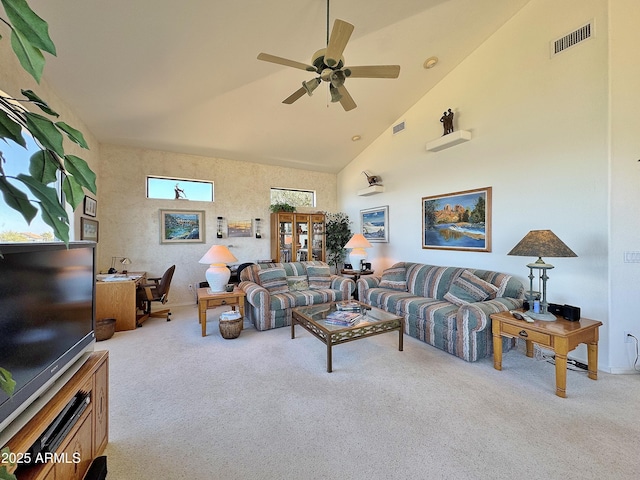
(541, 243)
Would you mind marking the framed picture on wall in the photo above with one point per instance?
(458, 221)
(182, 226)
(88, 229)
(374, 223)
(239, 228)
(90, 206)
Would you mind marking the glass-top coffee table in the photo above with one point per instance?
(372, 321)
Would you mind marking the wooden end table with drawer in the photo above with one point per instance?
(560, 335)
(208, 299)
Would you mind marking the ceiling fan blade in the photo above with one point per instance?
(286, 62)
(346, 101)
(295, 96)
(374, 71)
(340, 35)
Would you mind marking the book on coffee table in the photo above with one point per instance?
(349, 306)
(343, 318)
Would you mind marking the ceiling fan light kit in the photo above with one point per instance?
(329, 64)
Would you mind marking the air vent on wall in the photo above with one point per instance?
(399, 127)
(572, 39)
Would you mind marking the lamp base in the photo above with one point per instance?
(356, 258)
(218, 277)
(545, 317)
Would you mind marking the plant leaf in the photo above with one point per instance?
(45, 131)
(43, 168)
(81, 171)
(17, 200)
(36, 100)
(29, 24)
(29, 56)
(10, 129)
(7, 383)
(73, 134)
(74, 194)
(51, 211)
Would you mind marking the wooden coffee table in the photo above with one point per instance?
(373, 322)
(560, 335)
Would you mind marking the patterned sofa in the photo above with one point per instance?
(274, 289)
(447, 307)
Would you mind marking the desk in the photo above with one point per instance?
(116, 298)
(561, 335)
(207, 299)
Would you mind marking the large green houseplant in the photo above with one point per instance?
(338, 234)
(29, 39)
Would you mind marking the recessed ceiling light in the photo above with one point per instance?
(355, 138)
(430, 62)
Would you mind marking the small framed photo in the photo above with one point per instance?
(375, 224)
(88, 229)
(90, 206)
(182, 226)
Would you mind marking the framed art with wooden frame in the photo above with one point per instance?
(458, 221)
(88, 229)
(90, 206)
(374, 223)
(182, 226)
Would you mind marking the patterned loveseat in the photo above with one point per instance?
(274, 289)
(447, 307)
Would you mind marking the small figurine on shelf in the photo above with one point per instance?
(447, 122)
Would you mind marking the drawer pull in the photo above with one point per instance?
(523, 333)
(224, 302)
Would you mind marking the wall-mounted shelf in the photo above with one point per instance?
(372, 190)
(449, 140)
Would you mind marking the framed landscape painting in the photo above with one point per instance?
(182, 226)
(375, 224)
(458, 221)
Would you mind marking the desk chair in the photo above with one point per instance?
(158, 291)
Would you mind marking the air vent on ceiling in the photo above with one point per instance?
(399, 127)
(572, 39)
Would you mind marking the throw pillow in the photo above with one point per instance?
(274, 280)
(297, 283)
(468, 288)
(319, 277)
(394, 278)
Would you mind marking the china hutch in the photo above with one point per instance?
(297, 237)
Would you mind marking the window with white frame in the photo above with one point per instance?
(179, 189)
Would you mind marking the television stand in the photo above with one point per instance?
(87, 438)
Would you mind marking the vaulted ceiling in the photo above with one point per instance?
(183, 76)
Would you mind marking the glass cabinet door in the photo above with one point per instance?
(302, 238)
(317, 238)
(285, 238)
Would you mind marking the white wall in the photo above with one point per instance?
(130, 223)
(624, 18)
(540, 140)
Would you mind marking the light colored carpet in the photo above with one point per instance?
(262, 406)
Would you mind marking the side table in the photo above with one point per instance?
(208, 299)
(560, 335)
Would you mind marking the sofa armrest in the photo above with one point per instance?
(477, 316)
(346, 285)
(365, 283)
(257, 295)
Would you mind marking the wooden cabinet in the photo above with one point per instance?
(297, 237)
(86, 440)
(118, 300)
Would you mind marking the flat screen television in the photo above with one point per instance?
(46, 317)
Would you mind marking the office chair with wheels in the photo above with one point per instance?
(158, 291)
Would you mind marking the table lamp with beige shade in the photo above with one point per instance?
(218, 274)
(358, 254)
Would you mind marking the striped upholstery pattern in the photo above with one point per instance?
(395, 278)
(468, 288)
(274, 280)
(267, 310)
(464, 331)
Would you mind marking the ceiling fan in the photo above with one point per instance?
(329, 64)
